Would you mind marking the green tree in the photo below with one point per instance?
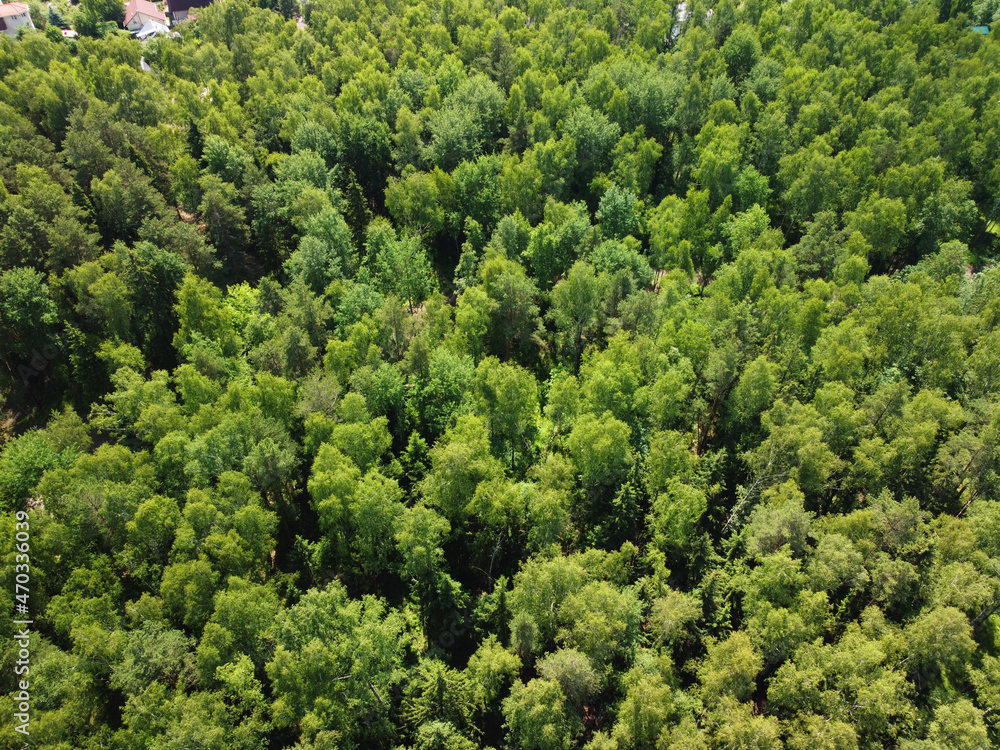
(741, 52)
(618, 213)
(730, 668)
(404, 270)
(558, 241)
(459, 462)
(202, 313)
(224, 218)
(576, 306)
(28, 317)
(355, 646)
(93, 12)
(537, 717)
(515, 318)
(507, 395)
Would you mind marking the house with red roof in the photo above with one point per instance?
(13, 16)
(140, 12)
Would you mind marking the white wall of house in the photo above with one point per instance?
(13, 22)
(141, 19)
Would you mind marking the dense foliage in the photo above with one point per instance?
(459, 374)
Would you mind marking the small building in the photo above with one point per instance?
(180, 9)
(151, 29)
(69, 34)
(138, 13)
(13, 16)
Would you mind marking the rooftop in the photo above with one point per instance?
(142, 6)
(13, 9)
(177, 6)
(150, 29)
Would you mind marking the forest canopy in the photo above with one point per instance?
(456, 374)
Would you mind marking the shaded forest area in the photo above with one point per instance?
(461, 374)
